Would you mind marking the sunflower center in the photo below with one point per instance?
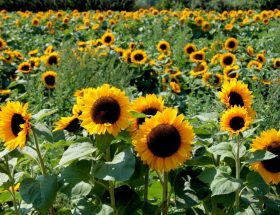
(228, 60)
(235, 99)
(73, 126)
(52, 60)
(190, 50)
(231, 44)
(105, 110)
(215, 79)
(232, 74)
(148, 111)
(16, 121)
(164, 140)
(25, 68)
(50, 80)
(138, 57)
(237, 123)
(272, 165)
(163, 46)
(108, 39)
(198, 57)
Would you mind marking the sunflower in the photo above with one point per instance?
(108, 39)
(35, 22)
(175, 86)
(71, 123)
(200, 69)
(199, 20)
(105, 109)
(250, 51)
(228, 27)
(2, 44)
(4, 92)
(236, 93)
(189, 48)
(7, 56)
(231, 44)
(164, 141)
(206, 26)
(276, 63)
(49, 50)
(163, 46)
(261, 58)
(227, 59)
(235, 120)
(215, 58)
(14, 124)
(52, 59)
(25, 67)
(132, 45)
(269, 169)
(210, 79)
(230, 72)
(49, 79)
(197, 56)
(139, 57)
(149, 105)
(34, 61)
(173, 72)
(33, 53)
(254, 64)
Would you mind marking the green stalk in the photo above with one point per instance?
(146, 188)
(111, 183)
(12, 191)
(237, 175)
(165, 194)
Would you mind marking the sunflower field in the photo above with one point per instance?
(144, 112)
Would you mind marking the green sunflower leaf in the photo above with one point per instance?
(261, 155)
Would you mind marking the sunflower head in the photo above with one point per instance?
(70, 124)
(269, 169)
(206, 26)
(49, 79)
(200, 69)
(231, 44)
(163, 46)
(255, 64)
(230, 72)
(105, 109)
(2, 44)
(227, 59)
(7, 56)
(149, 105)
(235, 120)
(52, 59)
(164, 141)
(35, 22)
(236, 93)
(210, 79)
(108, 39)
(14, 124)
(189, 48)
(139, 57)
(276, 63)
(197, 56)
(261, 58)
(25, 67)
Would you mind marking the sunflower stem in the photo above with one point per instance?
(146, 189)
(111, 183)
(41, 161)
(237, 174)
(165, 194)
(12, 190)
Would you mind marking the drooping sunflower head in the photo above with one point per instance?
(197, 56)
(189, 48)
(52, 59)
(255, 64)
(269, 169)
(236, 93)
(175, 86)
(25, 68)
(230, 72)
(139, 57)
(33, 53)
(250, 51)
(200, 69)
(163, 46)
(235, 120)
(70, 124)
(105, 109)
(49, 79)
(227, 59)
(276, 63)
(231, 44)
(149, 105)
(14, 124)
(164, 141)
(108, 39)
(49, 50)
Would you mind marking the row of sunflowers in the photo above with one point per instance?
(145, 112)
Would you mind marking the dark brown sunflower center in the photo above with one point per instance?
(164, 140)
(138, 57)
(272, 165)
(25, 68)
(108, 39)
(105, 110)
(228, 60)
(235, 99)
(260, 59)
(190, 50)
(32, 63)
(231, 44)
(50, 80)
(163, 47)
(149, 111)
(231, 74)
(215, 79)
(198, 57)
(53, 60)
(277, 64)
(236, 123)
(73, 126)
(16, 121)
